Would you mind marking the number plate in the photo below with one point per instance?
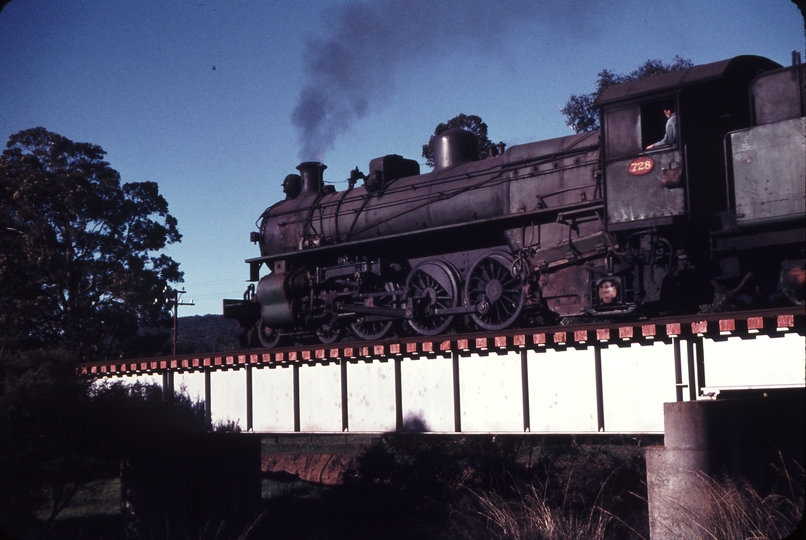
(640, 166)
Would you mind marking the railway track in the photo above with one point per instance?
(743, 324)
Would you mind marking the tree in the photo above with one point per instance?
(580, 113)
(78, 262)
(471, 123)
(801, 5)
(42, 439)
(61, 433)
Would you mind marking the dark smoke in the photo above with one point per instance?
(352, 68)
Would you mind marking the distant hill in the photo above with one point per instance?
(206, 333)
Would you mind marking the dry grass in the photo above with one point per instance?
(736, 511)
(532, 517)
(533, 514)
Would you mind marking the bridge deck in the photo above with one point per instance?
(586, 378)
(746, 325)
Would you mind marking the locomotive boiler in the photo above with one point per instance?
(599, 224)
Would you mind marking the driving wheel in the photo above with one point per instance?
(432, 286)
(496, 293)
(372, 327)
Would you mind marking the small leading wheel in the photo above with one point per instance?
(432, 285)
(498, 295)
(329, 333)
(269, 337)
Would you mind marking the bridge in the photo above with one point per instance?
(646, 380)
(611, 377)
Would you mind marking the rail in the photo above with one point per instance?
(745, 324)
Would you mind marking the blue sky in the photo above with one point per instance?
(217, 101)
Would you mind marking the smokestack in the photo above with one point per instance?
(311, 174)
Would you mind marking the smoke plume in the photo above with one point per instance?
(351, 69)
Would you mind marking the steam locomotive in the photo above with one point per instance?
(603, 224)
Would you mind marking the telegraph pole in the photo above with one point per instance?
(175, 297)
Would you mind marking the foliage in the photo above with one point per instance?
(45, 456)
(77, 262)
(60, 434)
(582, 115)
(124, 413)
(78, 277)
(801, 5)
(457, 485)
(471, 123)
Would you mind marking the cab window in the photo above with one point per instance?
(653, 124)
(629, 130)
(623, 131)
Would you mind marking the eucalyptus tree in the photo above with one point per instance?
(80, 266)
(582, 115)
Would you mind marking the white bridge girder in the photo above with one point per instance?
(601, 386)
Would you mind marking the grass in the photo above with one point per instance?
(531, 517)
(99, 498)
(546, 510)
(737, 511)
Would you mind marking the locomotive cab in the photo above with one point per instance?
(651, 181)
(643, 169)
(664, 170)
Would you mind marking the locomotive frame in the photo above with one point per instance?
(594, 225)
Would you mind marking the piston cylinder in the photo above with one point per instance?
(275, 306)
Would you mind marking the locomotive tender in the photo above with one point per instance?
(589, 225)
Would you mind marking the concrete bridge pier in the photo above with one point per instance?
(747, 438)
(674, 481)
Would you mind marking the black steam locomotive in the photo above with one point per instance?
(693, 188)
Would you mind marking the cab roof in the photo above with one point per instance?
(741, 67)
